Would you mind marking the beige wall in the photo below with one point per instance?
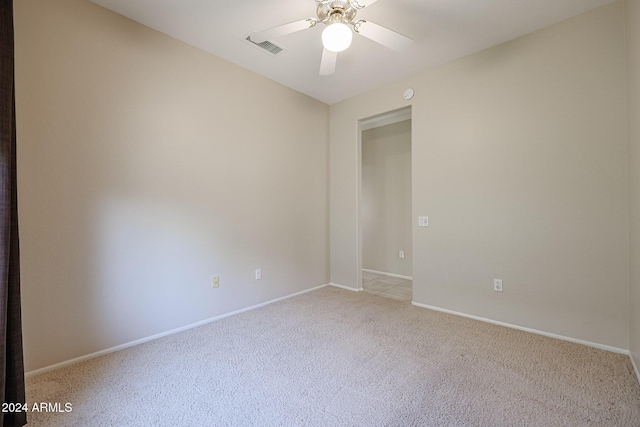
(146, 167)
(386, 198)
(519, 160)
(632, 9)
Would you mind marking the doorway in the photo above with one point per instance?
(385, 205)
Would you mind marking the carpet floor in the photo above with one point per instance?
(337, 358)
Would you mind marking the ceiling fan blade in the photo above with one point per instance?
(384, 36)
(361, 4)
(328, 62)
(282, 30)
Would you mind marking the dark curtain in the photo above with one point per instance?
(11, 363)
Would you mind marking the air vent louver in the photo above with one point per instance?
(266, 46)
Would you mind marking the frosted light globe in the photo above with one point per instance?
(337, 37)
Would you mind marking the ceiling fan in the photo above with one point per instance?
(339, 17)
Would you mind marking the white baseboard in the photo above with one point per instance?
(522, 328)
(160, 335)
(399, 276)
(635, 367)
(346, 287)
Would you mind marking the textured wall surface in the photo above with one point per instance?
(632, 11)
(386, 198)
(519, 161)
(147, 167)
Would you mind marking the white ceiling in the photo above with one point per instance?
(443, 30)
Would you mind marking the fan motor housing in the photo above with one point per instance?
(342, 7)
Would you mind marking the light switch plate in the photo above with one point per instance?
(423, 221)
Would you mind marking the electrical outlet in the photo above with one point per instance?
(497, 285)
(215, 281)
(401, 254)
(258, 274)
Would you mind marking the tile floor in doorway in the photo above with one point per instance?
(387, 286)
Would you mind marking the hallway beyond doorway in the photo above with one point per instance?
(387, 286)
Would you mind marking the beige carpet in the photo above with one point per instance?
(337, 358)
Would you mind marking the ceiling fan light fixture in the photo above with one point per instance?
(337, 37)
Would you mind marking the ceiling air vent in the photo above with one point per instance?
(266, 46)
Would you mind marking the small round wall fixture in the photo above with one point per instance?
(409, 94)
